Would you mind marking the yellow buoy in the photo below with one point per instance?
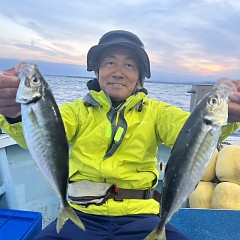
(228, 164)
(210, 173)
(226, 195)
(201, 197)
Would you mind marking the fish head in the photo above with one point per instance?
(31, 84)
(216, 111)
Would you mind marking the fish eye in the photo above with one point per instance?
(213, 100)
(35, 80)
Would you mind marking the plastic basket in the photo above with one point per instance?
(16, 224)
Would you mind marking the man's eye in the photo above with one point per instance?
(129, 65)
(110, 63)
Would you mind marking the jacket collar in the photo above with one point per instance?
(97, 97)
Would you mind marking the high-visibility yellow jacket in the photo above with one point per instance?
(117, 146)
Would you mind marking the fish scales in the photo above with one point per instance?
(191, 154)
(45, 136)
(41, 130)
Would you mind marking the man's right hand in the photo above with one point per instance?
(9, 83)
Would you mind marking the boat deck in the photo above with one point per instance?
(208, 224)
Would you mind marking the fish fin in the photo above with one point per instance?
(66, 213)
(156, 235)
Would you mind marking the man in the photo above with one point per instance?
(114, 133)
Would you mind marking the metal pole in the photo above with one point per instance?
(198, 91)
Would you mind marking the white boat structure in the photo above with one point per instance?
(23, 187)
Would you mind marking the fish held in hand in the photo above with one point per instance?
(191, 154)
(45, 136)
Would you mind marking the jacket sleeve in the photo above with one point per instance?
(70, 115)
(172, 119)
(228, 130)
(170, 122)
(13, 130)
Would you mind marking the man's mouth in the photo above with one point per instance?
(116, 84)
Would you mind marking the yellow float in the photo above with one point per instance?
(209, 173)
(226, 195)
(228, 164)
(201, 197)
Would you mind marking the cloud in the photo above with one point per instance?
(181, 36)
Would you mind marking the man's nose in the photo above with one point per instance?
(118, 70)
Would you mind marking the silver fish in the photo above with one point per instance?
(191, 153)
(45, 136)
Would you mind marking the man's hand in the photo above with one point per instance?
(9, 83)
(234, 99)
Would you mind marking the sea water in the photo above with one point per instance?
(70, 88)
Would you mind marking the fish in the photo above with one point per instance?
(191, 154)
(45, 136)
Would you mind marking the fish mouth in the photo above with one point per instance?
(221, 120)
(208, 121)
(27, 68)
(26, 100)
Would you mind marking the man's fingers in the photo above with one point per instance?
(7, 102)
(235, 97)
(7, 81)
(9, 72)
(8, 93)
(11, 111)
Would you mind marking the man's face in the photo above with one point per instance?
(118, 72)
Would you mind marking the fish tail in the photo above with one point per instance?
(157, 235)
(66, 212)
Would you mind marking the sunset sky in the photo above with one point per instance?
(197, 39)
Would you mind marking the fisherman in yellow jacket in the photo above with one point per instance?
(114, 132)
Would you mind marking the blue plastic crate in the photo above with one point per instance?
(208, 224)
(16, 224)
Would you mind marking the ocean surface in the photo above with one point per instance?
(67, 89)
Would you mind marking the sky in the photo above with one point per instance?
(186, 40)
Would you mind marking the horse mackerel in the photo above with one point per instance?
(191, 154)
(45, 136)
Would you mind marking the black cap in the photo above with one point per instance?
(120, 38)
